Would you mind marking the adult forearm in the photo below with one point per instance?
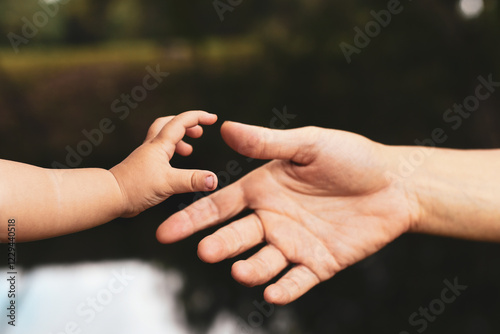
(47, 203)
(457, 191)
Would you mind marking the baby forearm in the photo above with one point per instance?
(458, 192)
(47, 203)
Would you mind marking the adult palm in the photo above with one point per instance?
(322, 204)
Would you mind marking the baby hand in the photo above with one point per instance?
(146, 177)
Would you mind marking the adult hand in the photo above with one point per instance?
(322, 204)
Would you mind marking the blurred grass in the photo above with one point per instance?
(213, 50)
(64, 57)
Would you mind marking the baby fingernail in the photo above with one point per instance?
(209, 181)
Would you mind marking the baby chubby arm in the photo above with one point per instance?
(47, 203)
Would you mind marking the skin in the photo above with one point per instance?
(329, 199)
(49, 202)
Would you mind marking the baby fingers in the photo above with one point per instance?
(175, 129)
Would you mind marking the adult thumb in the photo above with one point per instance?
(263, 143)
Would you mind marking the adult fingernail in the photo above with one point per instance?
(209, 181)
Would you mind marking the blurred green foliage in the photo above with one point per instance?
(264, 55)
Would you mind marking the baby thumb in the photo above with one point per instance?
(186, 181)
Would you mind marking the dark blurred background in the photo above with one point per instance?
(261, 56)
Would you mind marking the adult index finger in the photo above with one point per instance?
(208, 211)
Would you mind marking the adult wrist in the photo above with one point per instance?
(407, 172)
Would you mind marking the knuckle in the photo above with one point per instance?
(234, 236)
(323, 263)
(194, 182)
(158, 124)
(212, 208)
(330, 268)
(291, 285)
(261, 270)
(190, 213)
(326, 269)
